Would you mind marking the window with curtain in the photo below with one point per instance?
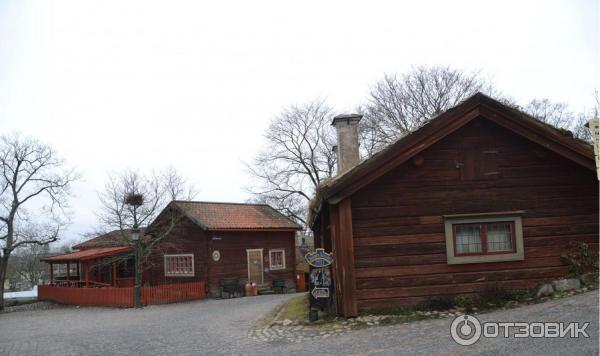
(277, 259)
(483, 238)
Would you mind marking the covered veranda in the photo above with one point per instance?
(92, 268)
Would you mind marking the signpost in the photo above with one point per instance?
(320, 280)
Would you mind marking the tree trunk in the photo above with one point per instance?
(3, 267)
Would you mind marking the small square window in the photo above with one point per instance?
(277, 259)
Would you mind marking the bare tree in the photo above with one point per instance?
(27, 265)
(151, 192)
(560, 116)
(176, 186)
(400, 104)
(34, 188)
(297, 157)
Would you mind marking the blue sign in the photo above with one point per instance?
(319, 258)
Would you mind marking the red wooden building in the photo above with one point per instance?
(210, 242)
(483, 193)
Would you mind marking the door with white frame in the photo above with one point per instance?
(255, 265)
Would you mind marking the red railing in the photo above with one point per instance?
(122, 297)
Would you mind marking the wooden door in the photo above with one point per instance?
(255, 266)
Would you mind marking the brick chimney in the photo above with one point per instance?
(347, 141)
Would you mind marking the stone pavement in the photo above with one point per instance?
(226, 327)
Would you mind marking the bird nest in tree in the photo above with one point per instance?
(134, 199)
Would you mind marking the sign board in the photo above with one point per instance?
(318, 258)
(320, 278)
(320, 293)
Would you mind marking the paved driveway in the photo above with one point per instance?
(221, 327)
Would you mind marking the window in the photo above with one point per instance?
(179, 265)
(484, 238)
(277, 259)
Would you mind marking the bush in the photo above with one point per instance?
(581, 260)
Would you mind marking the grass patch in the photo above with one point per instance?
(386, 311)
(296, 308)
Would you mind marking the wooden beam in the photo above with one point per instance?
(114, 274)
(51, 274)
(337, 259)
(86, 269)
(346, 244)
(68, 274)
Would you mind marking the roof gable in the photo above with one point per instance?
(478, 105)
(235, 216)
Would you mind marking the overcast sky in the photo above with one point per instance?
(142, 84)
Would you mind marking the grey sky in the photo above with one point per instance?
(143, 84)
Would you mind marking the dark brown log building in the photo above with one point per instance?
(483, 193)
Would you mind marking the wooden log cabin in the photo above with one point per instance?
(483, 193)
(209, 242)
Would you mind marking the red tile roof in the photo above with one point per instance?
(235, 216)
(90, 254)
(110, 239)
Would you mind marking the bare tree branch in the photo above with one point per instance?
(34, 189)
(297, 157)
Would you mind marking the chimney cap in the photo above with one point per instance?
(346, 117)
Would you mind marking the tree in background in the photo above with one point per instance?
(559, 116)
(34, 190)
(399, 104)
(156, 188)
(298, 149)
(297, 157)
(26, 266)
(132, 199)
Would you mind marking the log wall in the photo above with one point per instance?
(398, 226)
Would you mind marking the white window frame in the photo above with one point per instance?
(277, 268)
(167, 274)
(514, 217)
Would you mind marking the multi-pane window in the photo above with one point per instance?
(179, 265)
(483, 238)
(277, 259)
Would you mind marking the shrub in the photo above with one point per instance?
(581, 260)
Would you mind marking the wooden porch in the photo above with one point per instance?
(105, 277)
(101, 267)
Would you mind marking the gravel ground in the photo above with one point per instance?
(221, 327)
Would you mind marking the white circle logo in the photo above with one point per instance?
(465, 330)
(216, 255)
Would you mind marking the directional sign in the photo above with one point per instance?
(320, 293)
(319, 258)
